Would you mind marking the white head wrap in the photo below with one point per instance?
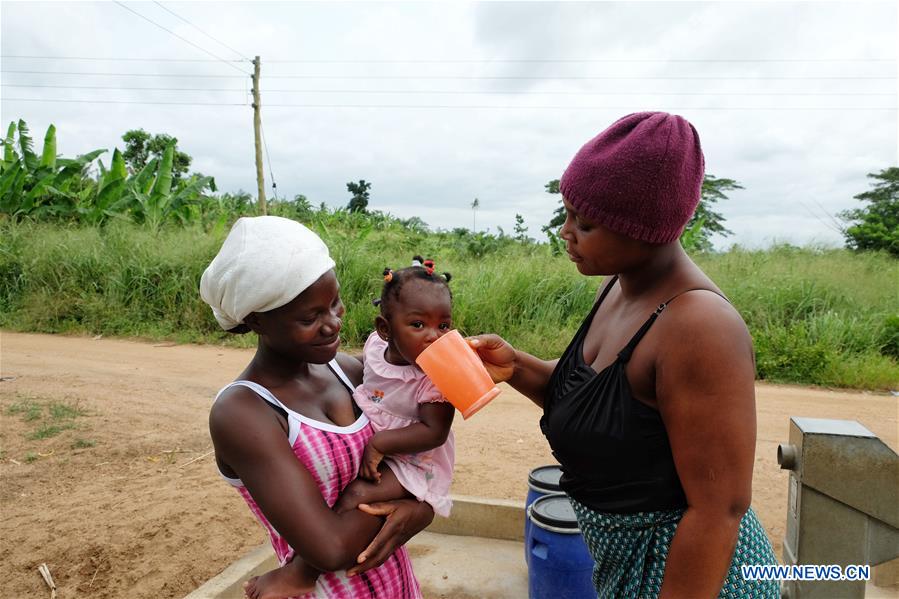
(265, 262)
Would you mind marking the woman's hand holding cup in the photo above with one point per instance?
(497, 355)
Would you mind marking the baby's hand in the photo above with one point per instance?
(371, 459)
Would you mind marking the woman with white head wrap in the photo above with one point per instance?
(286, 433)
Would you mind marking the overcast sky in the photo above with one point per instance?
(758, 80)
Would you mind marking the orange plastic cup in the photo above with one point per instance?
(458, 373)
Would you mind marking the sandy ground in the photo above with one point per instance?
(126, 501)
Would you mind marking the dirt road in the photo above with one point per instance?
(107, 474)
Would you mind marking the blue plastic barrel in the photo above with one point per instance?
(559, 564)
(541, 481)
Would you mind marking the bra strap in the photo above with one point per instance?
(336, 369)
(625, 354)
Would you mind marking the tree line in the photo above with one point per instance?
(149, 182)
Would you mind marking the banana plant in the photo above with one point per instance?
(12, 187)
(148, 202)
(111, 189)
(9, 154)
(48, 156)
(13, 174)
(45, 186)
(152, 200)
(26, 146)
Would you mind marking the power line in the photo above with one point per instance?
(191, 75)
(180, 38)
(580, 61)
(579, 78)
(483, 77)
(465, 106)
(510, 107)
(462, 61)
(454, 92)
(4, 99)
(221, 43)
(122, 88)
(115, 59)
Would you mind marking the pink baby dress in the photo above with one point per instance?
(389, 395)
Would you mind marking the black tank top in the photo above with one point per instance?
(613, 449)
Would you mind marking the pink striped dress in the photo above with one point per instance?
(332, 455)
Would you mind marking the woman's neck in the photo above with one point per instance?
(275, 368)
(659, 267)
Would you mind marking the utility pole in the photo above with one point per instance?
(260, 177)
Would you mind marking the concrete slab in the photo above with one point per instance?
(454, 559)
(447, 567)
(459, 567)
(229, 584)
(483, 517)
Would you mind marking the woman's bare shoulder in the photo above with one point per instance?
(243, 428)
(236, 404)
(232, 395)
(351, 366)
(702, 310)
(700, 334)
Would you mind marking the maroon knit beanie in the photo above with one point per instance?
(641, 177)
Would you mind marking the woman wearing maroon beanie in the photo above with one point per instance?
(651, 409)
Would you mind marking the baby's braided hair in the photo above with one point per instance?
(395, 279)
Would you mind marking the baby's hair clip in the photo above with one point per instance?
(429, 266)
(388, 275)
(417, 260)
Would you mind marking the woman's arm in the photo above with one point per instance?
(527, 374)
(249, 438)
(706, 396)
(429, 433)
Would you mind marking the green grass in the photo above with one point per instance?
(45, 431)
(51, 417)
(26, 408)
(64, 411)
(83, 443)
(825, 317)
(817, 316)
(31, 457)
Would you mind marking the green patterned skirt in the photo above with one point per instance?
(630, 551)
